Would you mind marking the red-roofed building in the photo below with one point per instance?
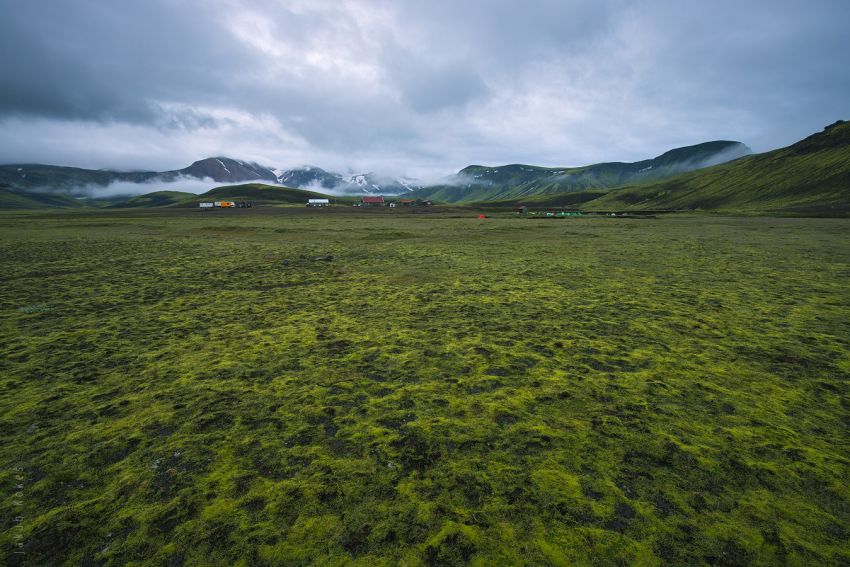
(372, 200)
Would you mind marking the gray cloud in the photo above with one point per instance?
(428, 86)
(126, 188)
(411, 87)
(91, 60)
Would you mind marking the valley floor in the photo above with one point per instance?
(388, 388)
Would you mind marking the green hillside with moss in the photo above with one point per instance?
(156, 199)
(811, 174)
(15, 199)
(568, 200)
(61, 179)
(483, 183)
(257, 193)
(262, 193)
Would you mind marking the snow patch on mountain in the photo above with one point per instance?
(222, 165)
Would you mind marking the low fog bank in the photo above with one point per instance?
(132, 189)
(317, 187)
(354, 184)
(729, 154)
(348, 189)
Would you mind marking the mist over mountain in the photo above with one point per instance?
(80, 182)
(480, 183)
(222, 169)
(813, 173)
(198, 177)
(317, 179)
(474, 182)
(309, 176)
(810, 175)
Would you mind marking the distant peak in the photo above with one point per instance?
(836, 135)
(715, 146)
(223, 168)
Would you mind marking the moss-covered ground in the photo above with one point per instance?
(264, 388)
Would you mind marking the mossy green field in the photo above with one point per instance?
(289, 387)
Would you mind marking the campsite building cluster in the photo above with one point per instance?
(365, 201)
(379, 201)
(225, 204)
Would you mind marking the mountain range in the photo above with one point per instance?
(471, 183)
(482, 183)
(316, 178)
(75, 182)
(812, 175)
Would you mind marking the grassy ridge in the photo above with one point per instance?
(157, 199)
(34, 176)
(258, 193)
(393, 388)
(484, 183)
(261, 193)
(13, 199)
(571, 200)
(814, 172)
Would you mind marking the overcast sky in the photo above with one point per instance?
(415, 87)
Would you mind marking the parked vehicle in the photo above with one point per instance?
(225, 205)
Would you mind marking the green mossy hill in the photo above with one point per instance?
(483, 183)
(12, 198)
(286, 387)
(15, 199)
(813, 174)
(570, 200)
(157, 199)
(262, 193)
(62, 179)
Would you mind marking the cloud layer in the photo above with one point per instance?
(411, 87)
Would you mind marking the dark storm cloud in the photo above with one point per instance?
(113, 61)
(411, 86)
